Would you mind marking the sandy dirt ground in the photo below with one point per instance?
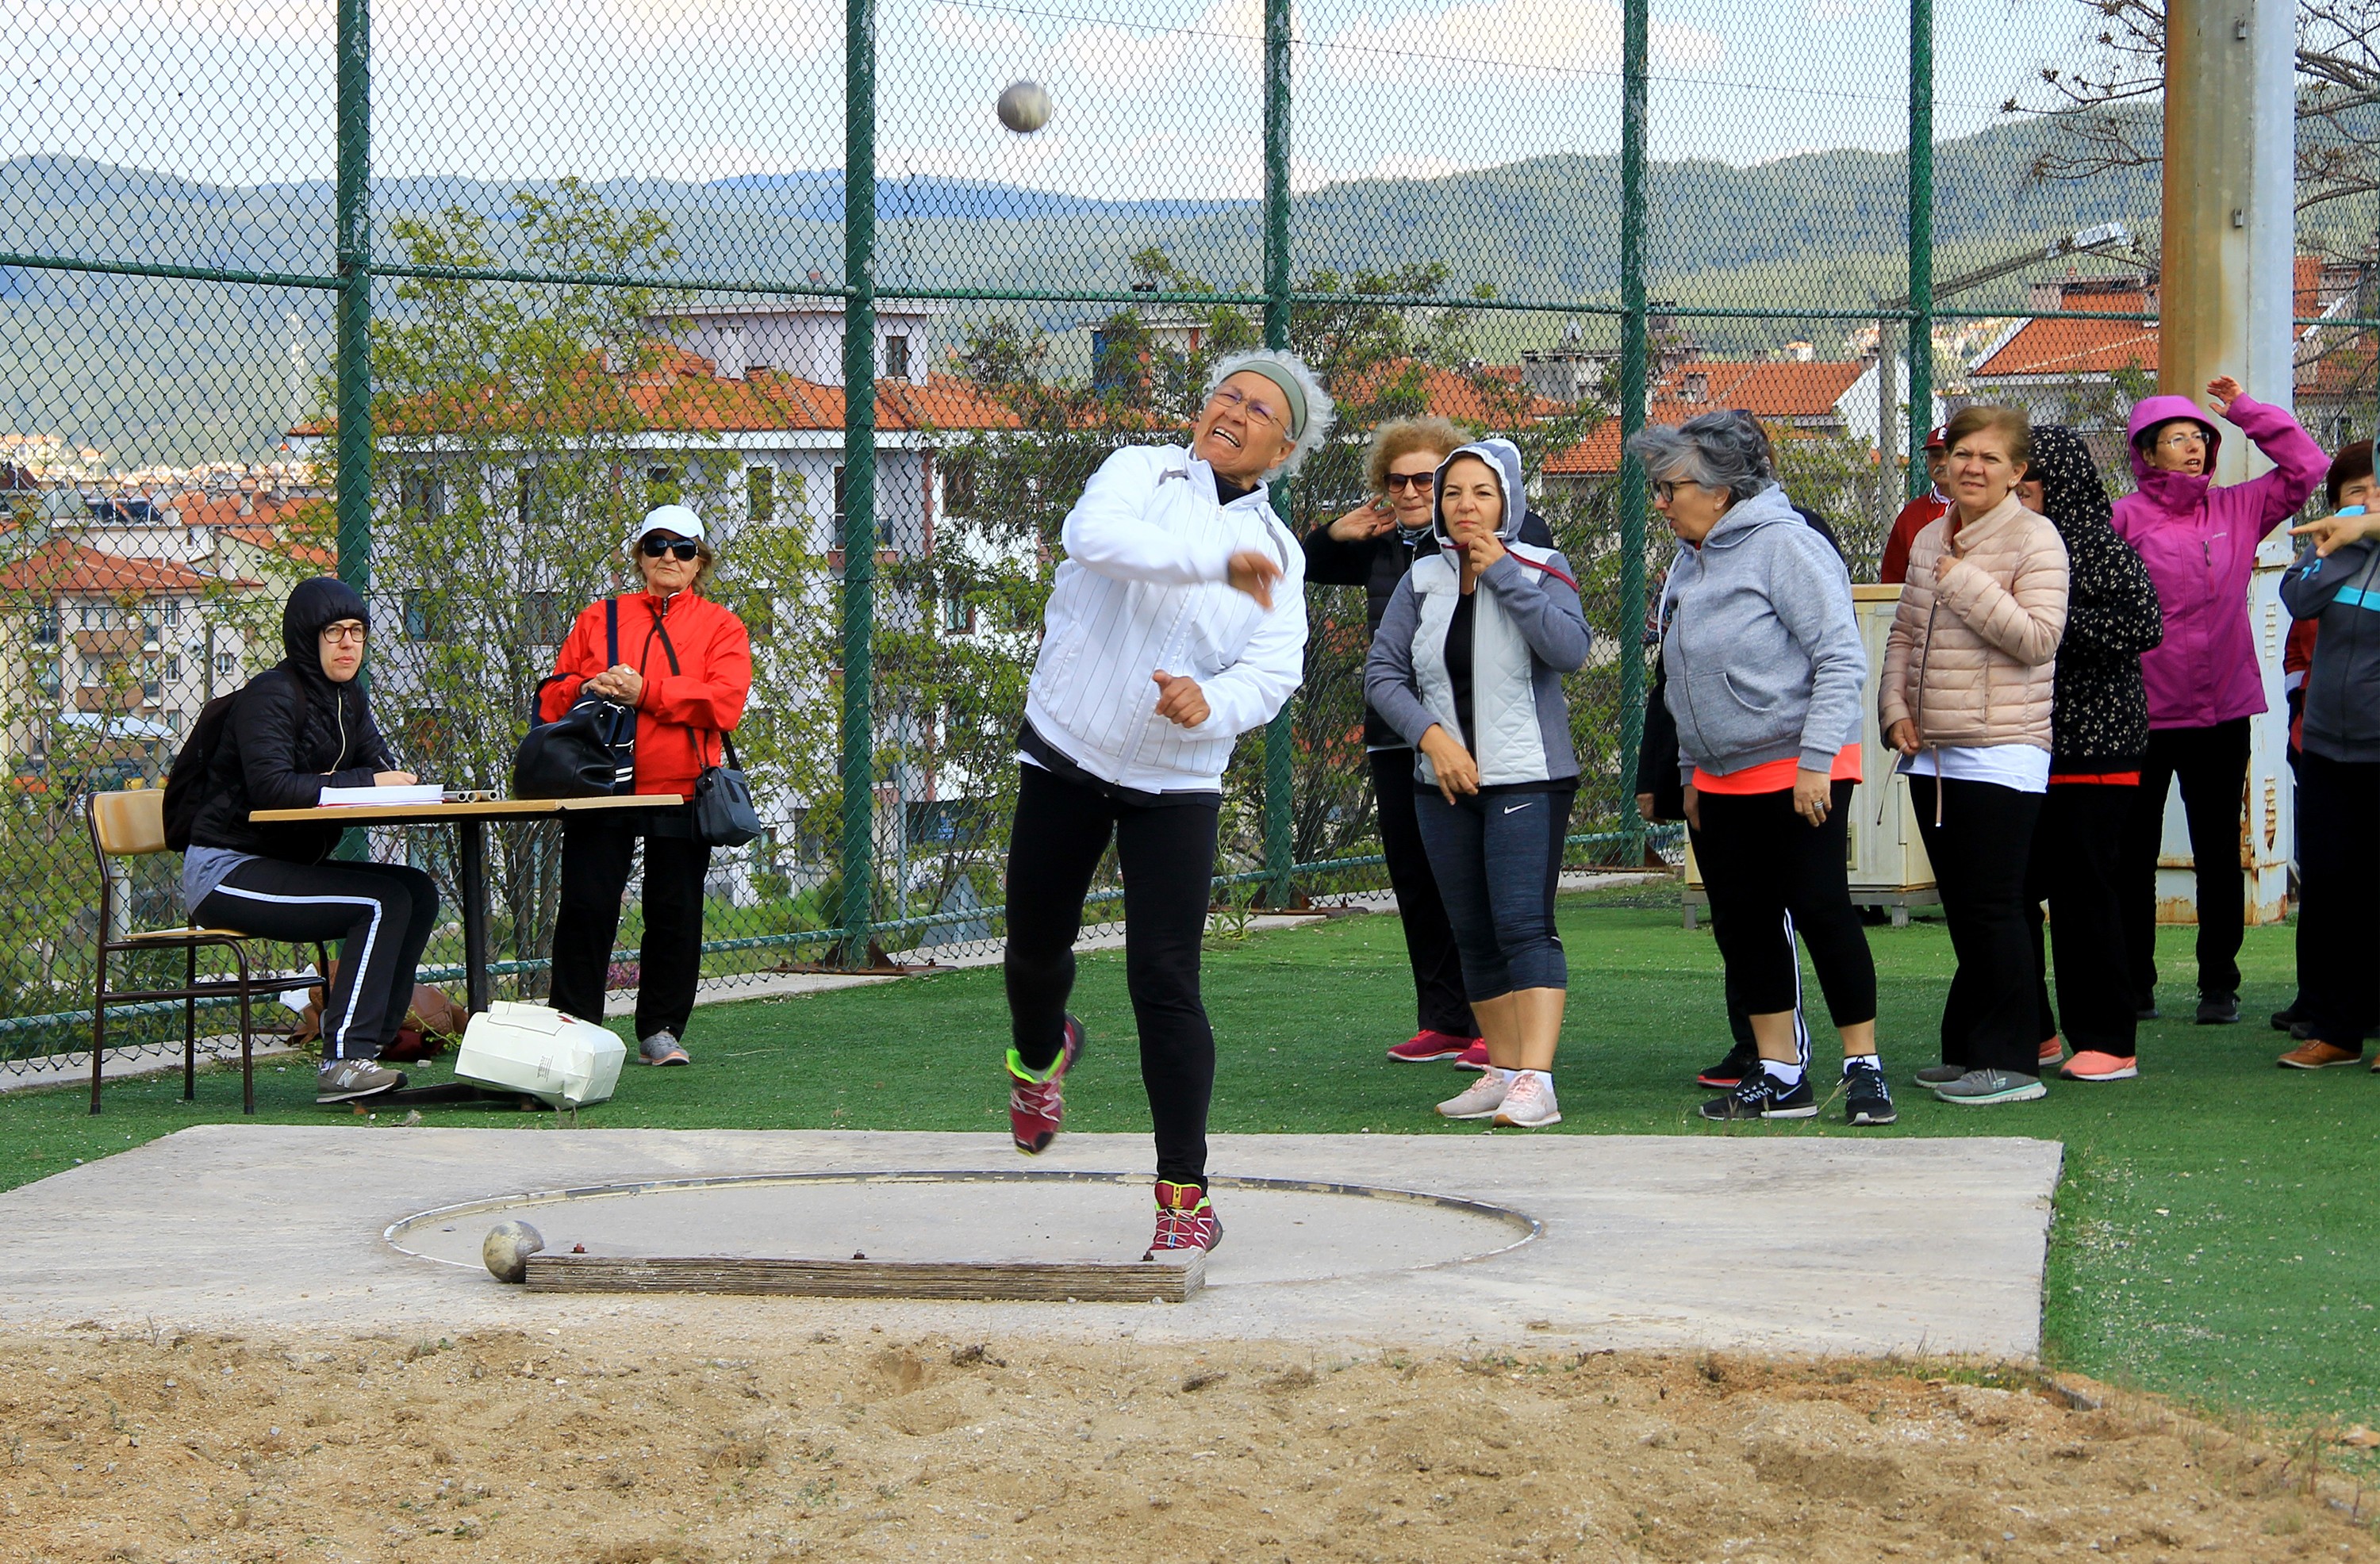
(598, 1447)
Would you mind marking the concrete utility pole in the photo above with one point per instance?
(2227, 299)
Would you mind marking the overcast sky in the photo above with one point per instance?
(1151, 99)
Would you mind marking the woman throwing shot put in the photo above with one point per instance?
(1176, 623)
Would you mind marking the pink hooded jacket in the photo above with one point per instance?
(2199, 542)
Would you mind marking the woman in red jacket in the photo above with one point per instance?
(686, 665)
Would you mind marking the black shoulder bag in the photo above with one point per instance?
(724, 812)
(591, 749)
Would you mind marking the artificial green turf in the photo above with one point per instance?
(2213, 1236)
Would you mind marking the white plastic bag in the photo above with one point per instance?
(557, 1058)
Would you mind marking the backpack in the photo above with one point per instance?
(185, 785)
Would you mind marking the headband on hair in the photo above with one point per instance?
(1278, 373)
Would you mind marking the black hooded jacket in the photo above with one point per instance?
(292, 732)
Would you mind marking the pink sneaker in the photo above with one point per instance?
(1427, 1046)
(1037, 1107)
(1186, 1219)
(1475, 1056)
(2052, 1051)
(2092, 1065)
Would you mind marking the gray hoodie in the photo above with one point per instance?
(1529, 630)
(1762, 649)
(2342, 689)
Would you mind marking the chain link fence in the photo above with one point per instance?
(439, 302)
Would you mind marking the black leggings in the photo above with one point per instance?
(1980, 853)
(2340, 908)
(2212, 766)
(381, 914)
(595, 857)
(1429, 940)
(1771, 875)
(1167, 854)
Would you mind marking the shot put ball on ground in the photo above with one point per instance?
(506, 1250)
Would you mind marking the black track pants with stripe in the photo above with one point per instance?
(381, 914)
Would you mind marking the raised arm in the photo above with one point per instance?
(1542, 602)
(2298, 462)
(1109, 531)
(1253, 690)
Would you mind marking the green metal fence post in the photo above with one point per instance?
(858, 478)
(354, 253)
(1634, 348)
(1280, 844)
(352, 247)
(1921, 239)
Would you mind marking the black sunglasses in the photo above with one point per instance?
(684, 548)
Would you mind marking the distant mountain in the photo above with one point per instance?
(160, 370)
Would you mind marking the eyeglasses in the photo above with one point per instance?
(344, 634)
(1256, 412)
(2181, 438)
(1666, 489)
(1397, 480)
(656, 546)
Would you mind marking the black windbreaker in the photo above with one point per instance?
(290, 733)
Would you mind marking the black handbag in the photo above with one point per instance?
(590, 750)
(724, 812)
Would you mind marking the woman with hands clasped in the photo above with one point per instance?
(1970, 683)
(1763, 667)
(1467, 666)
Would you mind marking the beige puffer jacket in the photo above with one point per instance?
(1973, 655)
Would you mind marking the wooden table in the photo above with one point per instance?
(471, 842)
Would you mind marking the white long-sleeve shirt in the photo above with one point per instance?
(1143, 586)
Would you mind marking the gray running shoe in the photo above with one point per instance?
(344, 1080)
(662, 1047)
(1939, 1075)
(1979, 1088)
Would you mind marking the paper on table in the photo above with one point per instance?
(413, 793)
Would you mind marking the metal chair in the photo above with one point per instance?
(132, 824)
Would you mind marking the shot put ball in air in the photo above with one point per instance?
(1023, 107)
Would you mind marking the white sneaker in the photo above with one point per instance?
(1481, 1100)
(1530, 1102)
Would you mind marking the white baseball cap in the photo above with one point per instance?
(667, 518)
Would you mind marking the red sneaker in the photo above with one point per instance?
(1186, 1219)
(1036, 1106)
(1427, 1046)
(1475, 1056)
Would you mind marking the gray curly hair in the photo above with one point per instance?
(1717, 450)
(1320, 412)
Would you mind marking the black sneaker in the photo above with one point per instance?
(2284, 1020)
(1866, 1099)
(1728, 1072)
(2218, 1009)
(1760, 1097)
(2145, 1010)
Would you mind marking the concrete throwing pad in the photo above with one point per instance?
(1280, 1231)
(1763, 1242)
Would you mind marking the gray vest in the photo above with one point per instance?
(1510, 746)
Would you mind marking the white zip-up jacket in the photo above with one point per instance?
(1144, 587)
